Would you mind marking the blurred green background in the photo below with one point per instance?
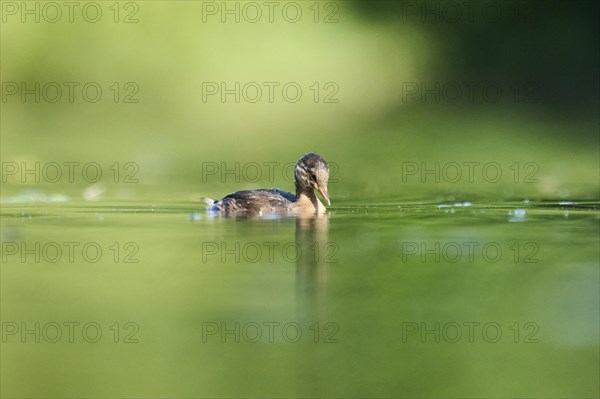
(393, 68)
(544, 59)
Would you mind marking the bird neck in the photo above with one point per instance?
(306, 198)
(304, 191)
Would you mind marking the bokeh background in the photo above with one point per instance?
(393, 69)
(544, 59)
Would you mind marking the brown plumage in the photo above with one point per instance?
(311, 173)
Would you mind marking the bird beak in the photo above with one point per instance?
(325, 194)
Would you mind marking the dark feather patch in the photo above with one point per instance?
(255, 201)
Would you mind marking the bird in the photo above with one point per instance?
(310, 173)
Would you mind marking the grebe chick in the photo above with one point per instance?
(311, 173)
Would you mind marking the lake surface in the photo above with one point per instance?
(445, 298)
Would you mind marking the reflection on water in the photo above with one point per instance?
(312, 275)
(379, 293)
(312, 271)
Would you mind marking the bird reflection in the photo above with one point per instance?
(312, 268)
(312, 275)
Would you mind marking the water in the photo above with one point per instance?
(394, 299)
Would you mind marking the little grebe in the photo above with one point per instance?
(311, 173)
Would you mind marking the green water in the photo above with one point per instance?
(402, 299)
